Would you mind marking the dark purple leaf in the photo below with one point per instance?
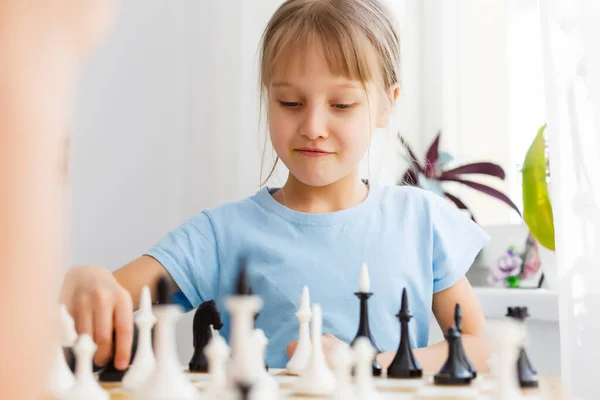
(432, 155)
(413, 158)
(410, 178)
(484, 168)
(488, 190)
(459, 204)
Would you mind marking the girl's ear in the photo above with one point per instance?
(387, 106)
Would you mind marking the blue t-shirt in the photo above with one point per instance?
(407, 236)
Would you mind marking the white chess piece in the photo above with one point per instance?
(242, 309)
(316, 379)
(299, 359)
(265, 387)
(505, 338)
(342, 363)
(61, 378)
(217, 354)
(144, 360)
(86, 386)
(167, 380)
(364, 353)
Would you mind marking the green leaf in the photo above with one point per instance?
(537, 209)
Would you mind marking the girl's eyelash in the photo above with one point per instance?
(294, 104)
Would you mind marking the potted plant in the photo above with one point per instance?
(434, 171)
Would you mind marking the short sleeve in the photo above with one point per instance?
(456, 242)
(189, 254)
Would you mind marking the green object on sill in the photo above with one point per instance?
(513, 281)
(537, 209)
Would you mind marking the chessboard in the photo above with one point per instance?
(236, 369)
(482, 388)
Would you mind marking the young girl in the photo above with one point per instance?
(329, 72)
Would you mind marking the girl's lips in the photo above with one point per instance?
(313, 152)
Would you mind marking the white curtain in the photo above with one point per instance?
(572, 76)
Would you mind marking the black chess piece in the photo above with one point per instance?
(458, 325)
(251, 293)
(207, 314)
(404, 365)
(163, 291)
(364, 330)
(244, 390)
(528, 377)
(454, 371)
(110, 373)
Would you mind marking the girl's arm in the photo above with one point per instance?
(473, 323)
(143, 271)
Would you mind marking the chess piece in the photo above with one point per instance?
(242, 308)
(404, 364)
(61, 377)
(527, 374)
(504, 338)
(207, 315)
(363, 327)
(461, 351)
(299, 359)
(364, 353)
(454, 371)
(256, 315)
(217, 353)
(167, 380)
(316, 379)
(86, 386)
(143, 361)
(342, 363)
(110, 373)
(265, 387)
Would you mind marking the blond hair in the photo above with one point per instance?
(349, 32)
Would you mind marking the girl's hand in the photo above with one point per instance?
(100, 305)
(329, 341)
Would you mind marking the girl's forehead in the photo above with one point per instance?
(316, 60)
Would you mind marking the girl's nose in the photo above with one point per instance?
(314, 124)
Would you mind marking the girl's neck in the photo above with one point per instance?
(343, 194)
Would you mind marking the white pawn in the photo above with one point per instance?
(217, 354)
(505, 338)
(364, 353)
(61, 377)
(167, 380)
(343, 361)
(299, 359)
(85, 387)
(265, 387)
(144, 360)
(316, 379)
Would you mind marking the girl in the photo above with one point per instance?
(329, 73)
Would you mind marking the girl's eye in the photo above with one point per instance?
(342, 106)
(290, 104)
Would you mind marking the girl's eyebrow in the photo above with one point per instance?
(343, 85)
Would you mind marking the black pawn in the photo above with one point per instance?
(111, 373)
(404, 365)
(364, 330)
(458, 324)
(207, 314)
(454, 370)
(527, 374)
